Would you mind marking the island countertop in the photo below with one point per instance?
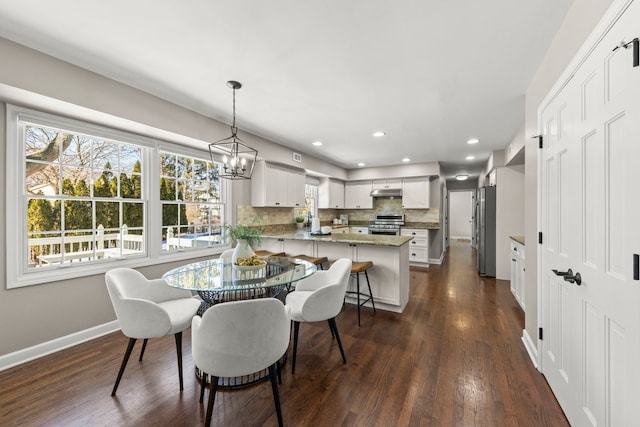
(366, 239)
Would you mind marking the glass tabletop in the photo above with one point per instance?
(217, 275)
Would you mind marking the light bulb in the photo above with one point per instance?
(224, 159)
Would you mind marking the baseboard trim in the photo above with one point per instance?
(531, 347)
(437, 260)
(39, 350)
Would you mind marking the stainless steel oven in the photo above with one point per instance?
(387, 224)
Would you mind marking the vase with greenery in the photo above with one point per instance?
(300, 221)
(245, 237)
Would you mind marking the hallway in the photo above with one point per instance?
(453, 358)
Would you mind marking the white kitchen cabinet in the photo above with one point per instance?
(385, 184)
(389, 276)
(415, 193)
(331, 194)
(517, 271)
(357, 195)
(277, 185)
(418, 247)
(358, 230)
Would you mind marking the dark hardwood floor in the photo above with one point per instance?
(453, 358)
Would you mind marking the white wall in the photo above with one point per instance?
(581, 19)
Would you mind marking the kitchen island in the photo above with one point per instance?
(389, 275)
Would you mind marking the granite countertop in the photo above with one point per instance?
(422, 225)
(363, 239)
(519, 239)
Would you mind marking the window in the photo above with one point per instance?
(192, 208)
(86, 196)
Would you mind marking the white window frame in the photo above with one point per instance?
(16, 225)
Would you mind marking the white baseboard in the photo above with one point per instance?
(531, 347)
(25, 355)
(437, 260)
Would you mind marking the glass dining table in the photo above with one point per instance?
(218, 280)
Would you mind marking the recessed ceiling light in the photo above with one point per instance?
(317, 143)
(378, 134)
(361, 164)
(473, 141)
(406, 159)
(462, 177)
(469, 158)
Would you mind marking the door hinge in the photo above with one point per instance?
(539, 140)
(540, 237)
(636, 267)
(540, 334)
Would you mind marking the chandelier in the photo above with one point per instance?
(238, 158)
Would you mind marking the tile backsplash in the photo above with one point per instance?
(281, 219)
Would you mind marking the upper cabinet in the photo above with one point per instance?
(277, 185)
(331, 194)
(415, 193)
(357, 195)
(383, 184)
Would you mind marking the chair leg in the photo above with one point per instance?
(203, 385)
(373, 303)
(333, 336)
(276, 396)
(358, 295)
(279, 371)
(144, 347)
(178, 338)
(212, 397)
(296, 329)
(334, 326)
(127, 354)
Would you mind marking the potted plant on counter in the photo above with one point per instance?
(299, 221)
(245, 238)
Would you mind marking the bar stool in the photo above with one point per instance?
(267, 253)
(356, 269)
(318, 261)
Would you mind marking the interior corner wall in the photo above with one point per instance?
(581, 19)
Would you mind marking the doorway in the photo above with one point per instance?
(461, 207)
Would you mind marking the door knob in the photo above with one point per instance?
(577, 279)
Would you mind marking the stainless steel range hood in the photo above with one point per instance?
(388, 193)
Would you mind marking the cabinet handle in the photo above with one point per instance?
(513, 260)
(413, 254)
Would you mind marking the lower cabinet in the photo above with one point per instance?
(389, 276)
(418, 247)
(517, 272)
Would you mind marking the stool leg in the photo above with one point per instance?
(358, 295)
(370, 293)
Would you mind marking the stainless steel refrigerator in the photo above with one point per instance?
(486, 215)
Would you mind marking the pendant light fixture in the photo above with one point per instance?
(238, 158)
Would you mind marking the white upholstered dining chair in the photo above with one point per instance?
(148, 309)
(239, 338)
(317, 298)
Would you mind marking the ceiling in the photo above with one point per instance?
(431, 74)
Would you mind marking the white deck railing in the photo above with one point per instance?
(48, 250)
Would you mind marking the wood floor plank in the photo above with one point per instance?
(453, 358)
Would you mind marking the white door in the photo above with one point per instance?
(590, 224)
(460, 214)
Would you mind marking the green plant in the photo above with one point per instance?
(299, 219)
(252, 234)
